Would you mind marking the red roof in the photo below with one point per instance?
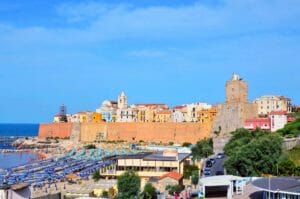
(278, 113)
(173, 174)
(179, 107)
(164, 112)
(149, 104)
(258, 119)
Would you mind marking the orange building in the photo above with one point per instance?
(163, 116)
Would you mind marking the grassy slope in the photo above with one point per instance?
(294, 155)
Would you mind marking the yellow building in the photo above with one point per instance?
(148, 112)
(88, 117)
(207, 115)
(82, 116)
(96, 117)
(163, 116)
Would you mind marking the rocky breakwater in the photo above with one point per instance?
(34, 143)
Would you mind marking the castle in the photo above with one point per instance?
(158, 123)
(232, 114)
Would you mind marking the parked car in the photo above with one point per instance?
(220, 155)
(208, 163)
(206, 172)
(212, 160)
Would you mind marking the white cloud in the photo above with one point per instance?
(96, 22)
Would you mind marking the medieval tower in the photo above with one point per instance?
(236, 90)
(232, 114)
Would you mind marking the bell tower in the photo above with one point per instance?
(122, 101)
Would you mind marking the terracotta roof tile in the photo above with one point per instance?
(278, 113)
(173, 174)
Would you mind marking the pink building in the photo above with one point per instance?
(278, 120)
(262, 123)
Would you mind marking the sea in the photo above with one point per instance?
(8, 160)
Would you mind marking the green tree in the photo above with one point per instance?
(202, 149)
(252, 153)
(286, 168)
(186, 144)
(291, 129)
(195, 178)
(149, 191)
(174, 189)
(96, 175)
(104, 194)
(128, 185)
(188, 170)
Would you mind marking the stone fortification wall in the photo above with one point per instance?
(156, 132)
(231, 116)
(61, 130)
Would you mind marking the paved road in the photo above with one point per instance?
(218, 166)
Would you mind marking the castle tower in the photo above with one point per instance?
(122, 101)
(232, 114)
(236, 90)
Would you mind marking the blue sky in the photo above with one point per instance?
(83, 52)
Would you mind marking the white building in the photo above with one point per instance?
(268, 103)
(108, 110)
(278, 120)
(127, 115)
(179, 113)
(192, 109)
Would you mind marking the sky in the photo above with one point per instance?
(157, 51)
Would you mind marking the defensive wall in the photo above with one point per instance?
(131, 131)
(61, 130)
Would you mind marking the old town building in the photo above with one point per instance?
(163, 116)
(268, 103)
(108, 110)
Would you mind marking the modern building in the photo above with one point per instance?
(268, 103)
(278, 187)
(16, 191)
(222, 186)
(149, 164)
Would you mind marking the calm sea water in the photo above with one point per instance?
(13, 159)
